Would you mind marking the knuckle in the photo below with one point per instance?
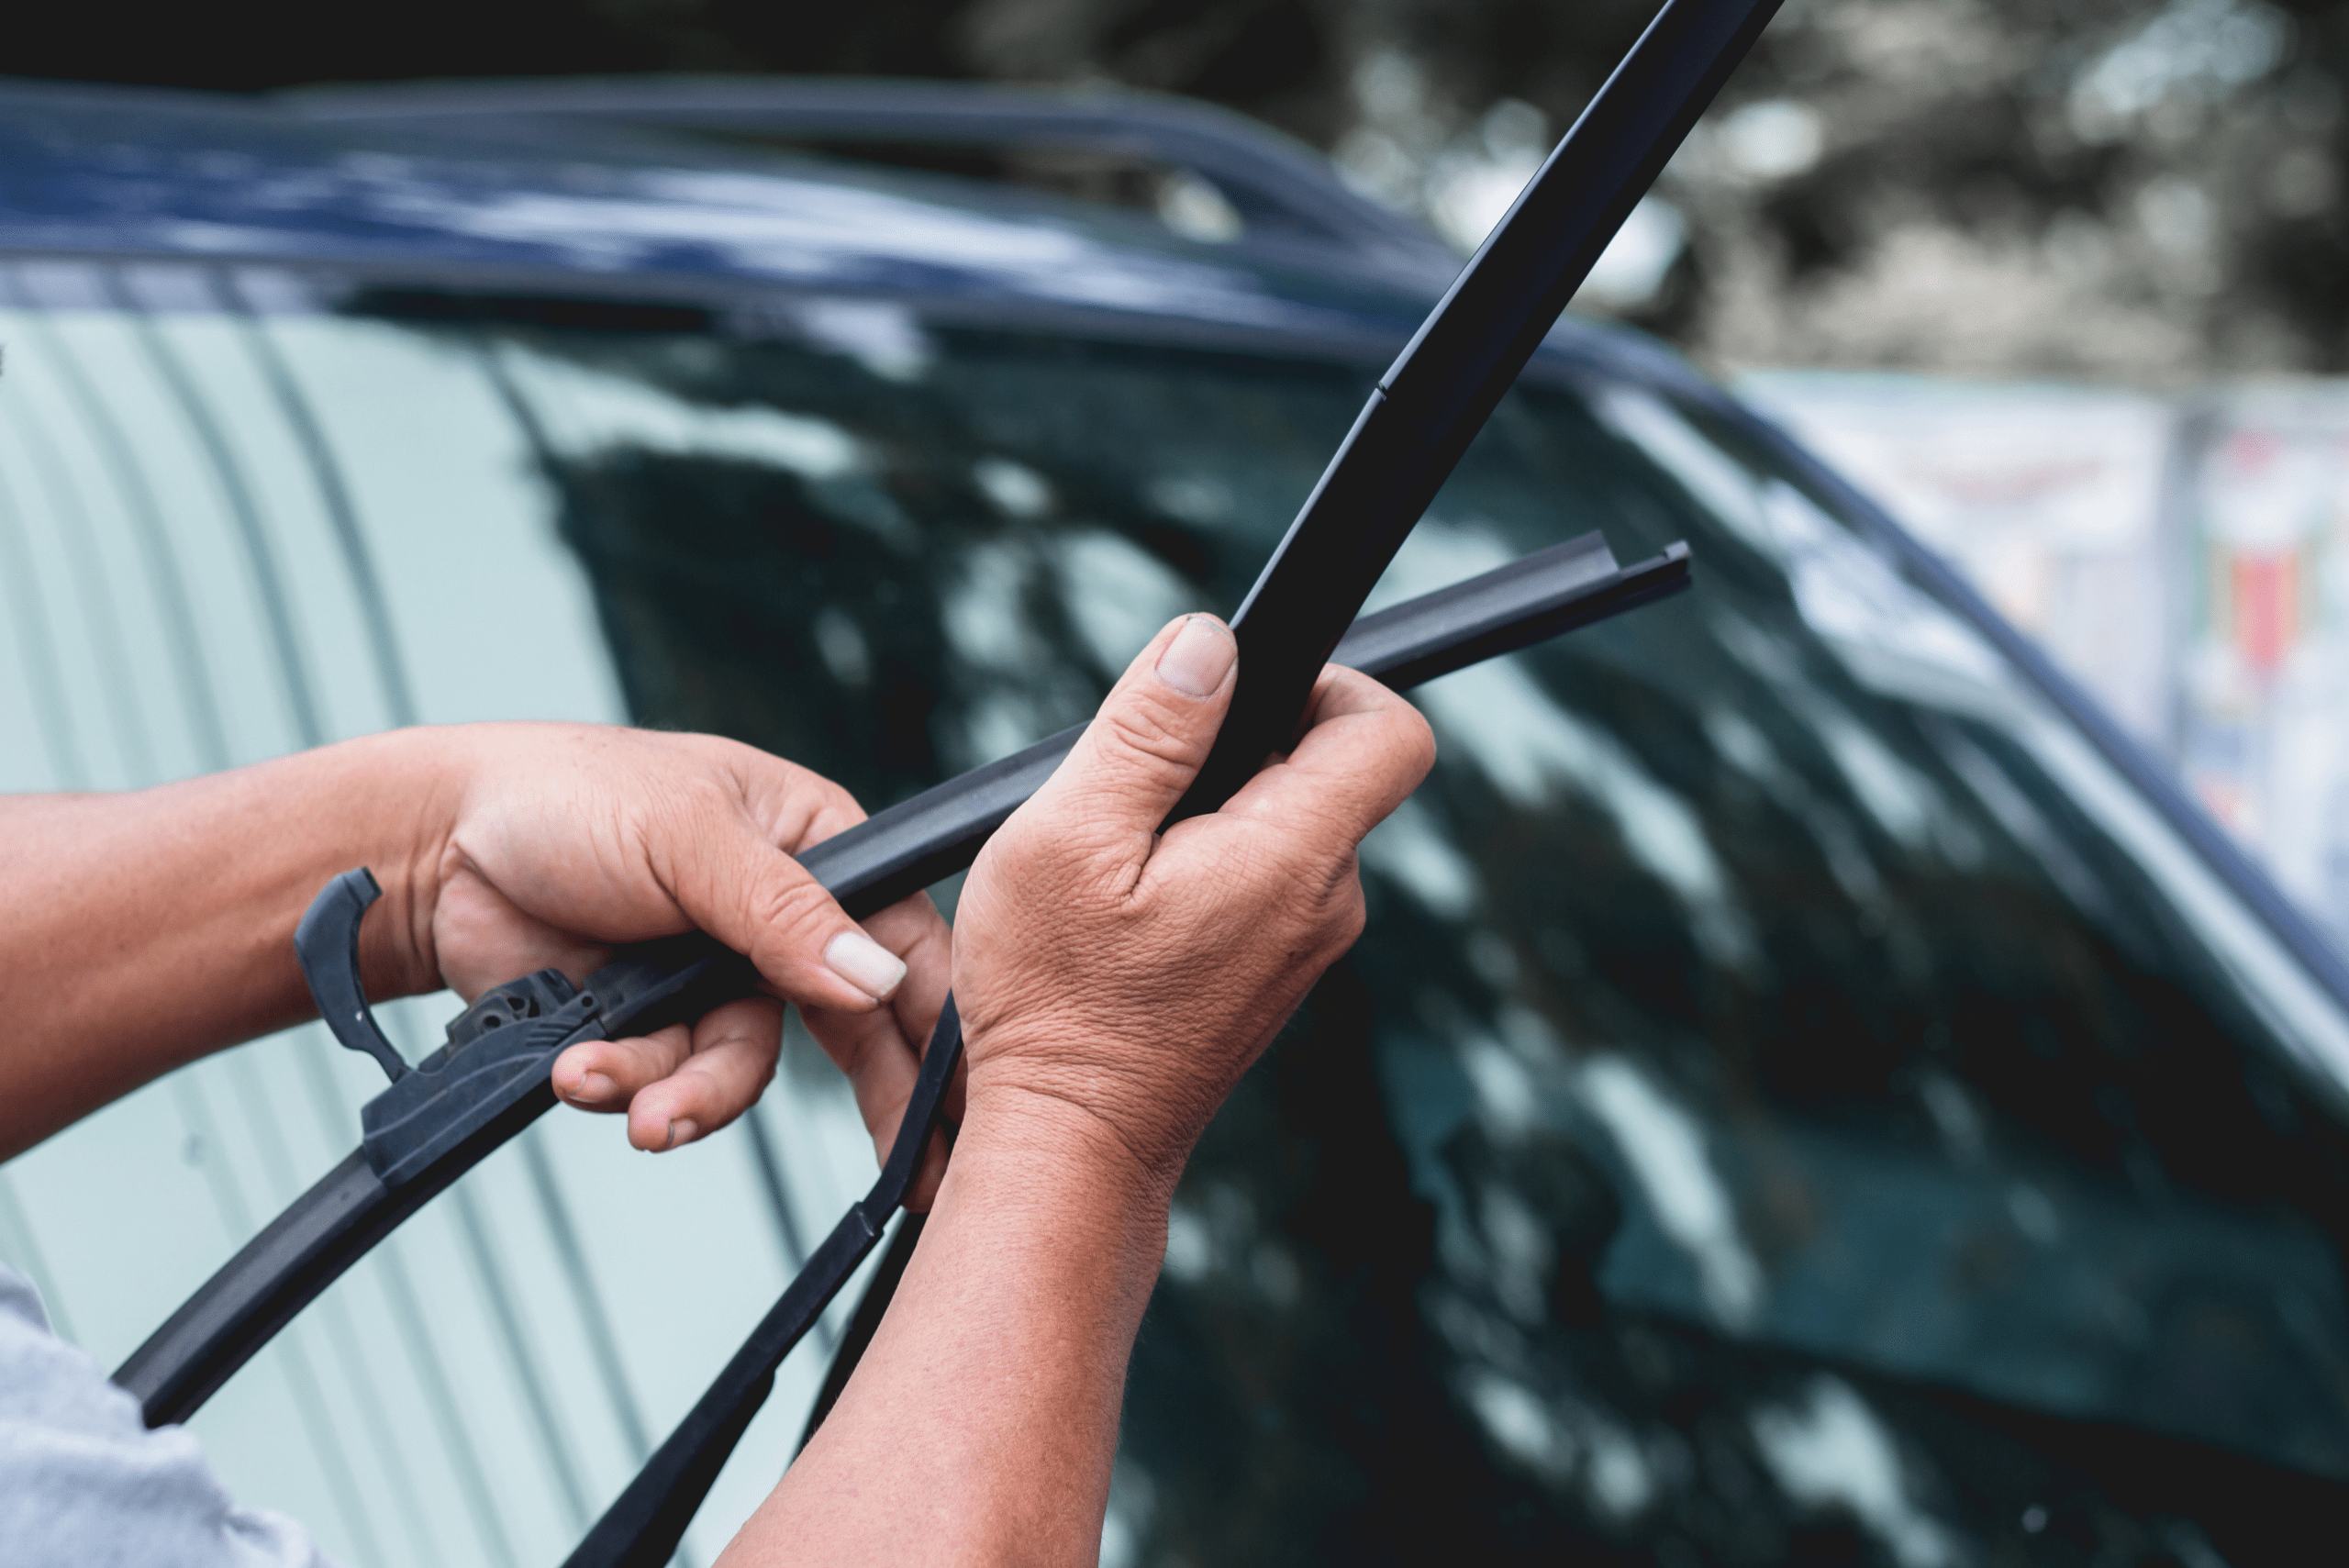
(1351, 915)
(693, 803)
(830, 808)
(732, 1084)
(1054, 860)
(1145, 733)
(750, 1026)
(788, 912)
(1418, 741)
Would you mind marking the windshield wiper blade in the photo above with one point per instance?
(1418, 422)
(443, 1116)
(1410, 435)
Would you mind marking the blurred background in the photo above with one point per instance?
(2061, 280)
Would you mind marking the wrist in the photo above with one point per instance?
(1063, 1141)
(415, 781)
(1055, 1190)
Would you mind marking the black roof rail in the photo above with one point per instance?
(1274, 182)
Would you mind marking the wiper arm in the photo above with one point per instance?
(439, 1119)
(1449, 378)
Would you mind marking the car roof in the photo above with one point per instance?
(625, 188)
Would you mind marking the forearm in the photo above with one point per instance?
(145, 929)
(981, 1424)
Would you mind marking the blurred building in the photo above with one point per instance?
(2186, 558)
(2264, 670)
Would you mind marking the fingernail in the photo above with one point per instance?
(864, 963)
(684, 1129)
(592, 1086)
(1195, 663)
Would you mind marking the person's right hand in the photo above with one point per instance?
(565, 839)
(1124, 979)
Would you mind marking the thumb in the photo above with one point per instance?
(762, 903)
(1142, 750)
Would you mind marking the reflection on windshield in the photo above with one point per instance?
(1775, 965)
(1831, 1449)
(1665, 1151)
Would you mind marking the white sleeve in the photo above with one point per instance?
(84, 1484)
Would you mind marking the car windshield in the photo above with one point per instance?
(1786, 1061)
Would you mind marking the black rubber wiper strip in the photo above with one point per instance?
(867, 868)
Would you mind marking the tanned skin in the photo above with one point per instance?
(1114, 984)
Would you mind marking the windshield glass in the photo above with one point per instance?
(1776, 961)
(1780, 1036)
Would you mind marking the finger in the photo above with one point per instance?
(738, 888)
(1145, 745)
(882, 1071)
(730, 1064)
(606, 1075)
(859, 1044)
(873, 1054)
(919, 935)
(1364, 751)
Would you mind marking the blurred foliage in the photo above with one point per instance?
(2142, 189)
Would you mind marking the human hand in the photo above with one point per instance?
(563, 839)
(1132, 977)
